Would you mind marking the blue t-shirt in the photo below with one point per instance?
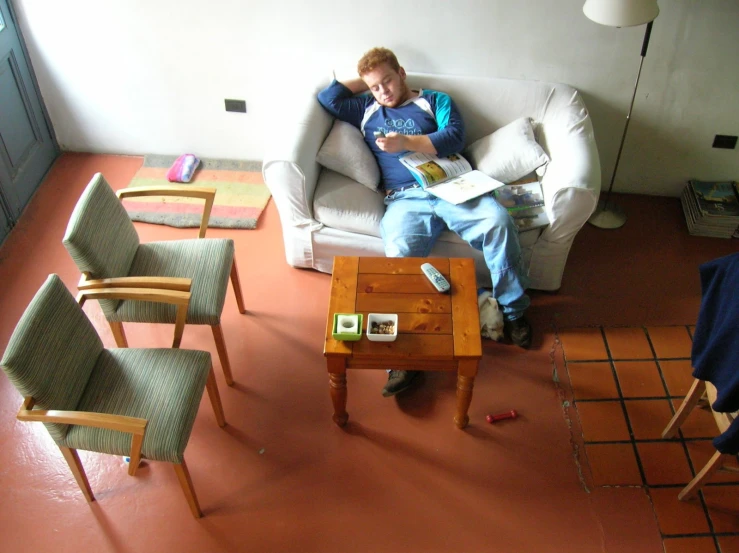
(430, 113)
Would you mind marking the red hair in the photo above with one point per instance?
(375, 58)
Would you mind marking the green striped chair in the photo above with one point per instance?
(135, 402)
(104, 244)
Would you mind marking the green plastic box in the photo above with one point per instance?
(347, 336)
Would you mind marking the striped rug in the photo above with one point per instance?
(241, 194)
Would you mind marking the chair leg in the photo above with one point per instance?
(183, 475)
(215, 398)
(135, 456)
(702, 477)
(118, 334)
(237, 287)
(179, 326)
(696, 392)
(222, 353)
(78, 471)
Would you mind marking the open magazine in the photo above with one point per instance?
(450, 178)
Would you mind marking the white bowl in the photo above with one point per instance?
(382, 318)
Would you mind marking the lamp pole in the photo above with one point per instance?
(615, 218)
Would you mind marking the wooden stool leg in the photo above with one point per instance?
(78, 471)
(702, 477)
(696, 392)
(222, 353)
(237, 287)
(183, 475)
(337, 389)
(215, 398)
(118, 334)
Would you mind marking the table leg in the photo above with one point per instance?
(465, 383)
(464, 398)
(337, 389)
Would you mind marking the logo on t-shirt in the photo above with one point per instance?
(401, 126)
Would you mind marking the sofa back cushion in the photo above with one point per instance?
(488, 104)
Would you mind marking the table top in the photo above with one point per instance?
(431, 326)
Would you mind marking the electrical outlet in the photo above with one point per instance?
(236, 105)
(724, 141)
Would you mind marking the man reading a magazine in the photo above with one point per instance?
(427, 121)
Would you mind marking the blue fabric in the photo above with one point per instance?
(411, 226)
(432, 113)
(715, 354)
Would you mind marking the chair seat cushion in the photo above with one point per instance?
(163, 386)
(206, 261)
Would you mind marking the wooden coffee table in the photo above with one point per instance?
(436, 332)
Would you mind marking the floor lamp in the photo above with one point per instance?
(620, 13)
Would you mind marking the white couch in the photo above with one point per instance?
(325, 214)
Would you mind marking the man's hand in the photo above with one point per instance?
(395, 142)
(392, 143)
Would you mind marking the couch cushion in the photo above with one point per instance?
(346, 152)
(509, 153)
(341, 203)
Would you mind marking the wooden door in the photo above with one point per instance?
(27, 148)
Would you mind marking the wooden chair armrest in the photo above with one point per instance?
(130, 425)
(162, 283)
(121, 423)
(207, 194)
(201, 192)
(175, 297)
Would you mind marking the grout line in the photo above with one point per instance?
(624, 411)
(601, 360)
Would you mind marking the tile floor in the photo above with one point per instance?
(625, 385)
(400, 477)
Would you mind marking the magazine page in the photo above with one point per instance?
(465, 187)
(431, 169)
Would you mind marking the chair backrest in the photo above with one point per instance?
(52, 351)
(100, 236)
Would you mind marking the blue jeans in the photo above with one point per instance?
(414, 219)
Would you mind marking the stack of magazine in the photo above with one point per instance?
(525, 203)
(711, 208)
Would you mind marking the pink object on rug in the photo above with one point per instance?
(183, 168)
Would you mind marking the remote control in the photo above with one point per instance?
(379, 134)
(436, 278)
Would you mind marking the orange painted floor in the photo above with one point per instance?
(580, 469)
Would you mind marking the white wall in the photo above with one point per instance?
(138, 76)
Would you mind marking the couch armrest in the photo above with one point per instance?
(290, 169)
(571, 184)
(572, 179)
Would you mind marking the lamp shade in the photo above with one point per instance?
(621, 13)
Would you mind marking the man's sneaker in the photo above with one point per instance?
(519, 331)
(398, 381)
